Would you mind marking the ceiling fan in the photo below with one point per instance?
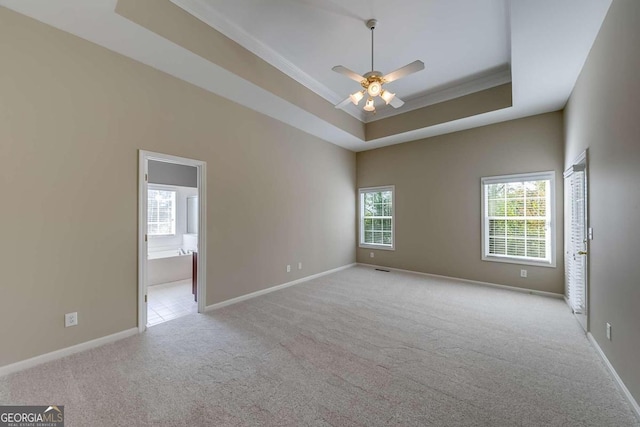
(373, 81)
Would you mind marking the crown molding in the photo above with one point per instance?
(205, 13)
(217, 21)
(544, 70)
(486, 81)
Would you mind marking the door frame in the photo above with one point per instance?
(582, 159)
(143, 173)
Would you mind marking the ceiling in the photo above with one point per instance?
(458, 40)
(467, 45)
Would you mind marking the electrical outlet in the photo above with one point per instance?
(70, 319)
(288, 268)
(371, 255)
(523, 273)
(299, 266)
(609, 331)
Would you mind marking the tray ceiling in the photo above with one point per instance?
(464, 44)
(467, 46)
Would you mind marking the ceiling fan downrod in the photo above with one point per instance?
(371, 24)
(372, 81)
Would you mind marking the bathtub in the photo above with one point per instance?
(168, 266)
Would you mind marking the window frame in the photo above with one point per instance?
(174, 220)
(551, 217)
(381, 246)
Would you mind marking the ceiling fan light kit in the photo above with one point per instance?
(357, 97)
(373, 81)
(387, 96)
(374, 88)
(370, 105)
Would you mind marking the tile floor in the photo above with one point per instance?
(169, 301)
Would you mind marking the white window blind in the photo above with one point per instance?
(575, 262)
(161, 212)
(377, 217)
(517, 218)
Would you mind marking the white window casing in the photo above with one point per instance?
(377, 217)
(518, 219)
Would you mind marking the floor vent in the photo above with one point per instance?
(380, 269)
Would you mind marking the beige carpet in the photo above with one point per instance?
(356, 348)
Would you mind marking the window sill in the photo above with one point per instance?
(381, 247)
(519, 261)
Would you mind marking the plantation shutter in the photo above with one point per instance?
(576, 266)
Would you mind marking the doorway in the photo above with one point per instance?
(577, 236)
(171, 237)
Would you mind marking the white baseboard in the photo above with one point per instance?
(616, 377)
(63, 352)
(274, 288)
(58, 354)
(475, 282)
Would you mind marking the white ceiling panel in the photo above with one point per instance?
(458, 40)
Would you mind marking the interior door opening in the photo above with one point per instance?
(171, 280)
(170, 246)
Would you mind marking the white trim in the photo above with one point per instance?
(201, 292)
(207, 14)
(119, 34)
(484, 220)
(497, 78)
(67, 351)
(515, 260)
(201, 166)
(143, 252)
(580, 164)
(632, 402)
(275, 288)
(377, 247)
(518, 177)
(574, 168)
(362, 190)
(474, 282)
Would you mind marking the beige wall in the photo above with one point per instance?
(437, 182)
(171, 22)
(495, 98)
(72, 118)
(603, 115)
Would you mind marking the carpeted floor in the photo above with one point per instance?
(356, 348)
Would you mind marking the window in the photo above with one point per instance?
(517, 218)
(376, 218)
(161, 212)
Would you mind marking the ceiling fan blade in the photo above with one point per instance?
(347, 72)
(396, 102)
(344, 103)
(404, 71)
